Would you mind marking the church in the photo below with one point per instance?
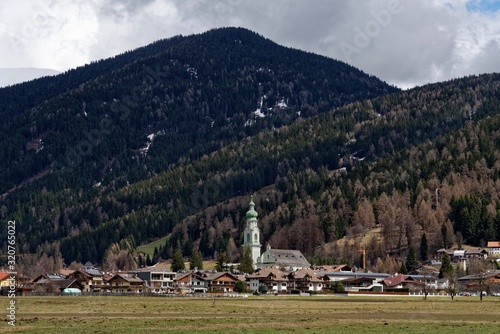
(286, 259)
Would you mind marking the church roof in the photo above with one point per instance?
(288, 258)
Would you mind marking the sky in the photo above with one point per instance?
(404, 42)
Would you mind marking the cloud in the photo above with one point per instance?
(403, 42)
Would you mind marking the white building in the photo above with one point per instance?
(252, 232)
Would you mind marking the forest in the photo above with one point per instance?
(173, 138)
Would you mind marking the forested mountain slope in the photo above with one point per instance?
(195, 93)
(171, 139)
(72, 143)
(373, 163)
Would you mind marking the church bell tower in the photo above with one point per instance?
(252, 232)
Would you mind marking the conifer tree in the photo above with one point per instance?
(177, 261)
(196, 260)
(140, 261)
(403, 269)
(411, 260)
(424, 248)
(222, 259)
(246, 261)
(446, 268)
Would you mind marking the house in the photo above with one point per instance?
(68, 283)
(458, 255)
(365, 283)
(329, 277)
(42, 279)
(478, 253)
(191, 283)
(4, 279)
(287, 259)
(491, 279)
(220, 282)
(425, 271)
(92, 279)
(54, 283)
(273, 279)
(126, 283)
(401, 281)
(442, 283)
(437, 257)
(306, 280)
(494, 249)
(158, 281)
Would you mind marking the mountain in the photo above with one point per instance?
(365, 178)
(170, 139)
(96, 129)
(12, 76)
(196, 93)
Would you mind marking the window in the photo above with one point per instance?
(248, 238)
(255, 237)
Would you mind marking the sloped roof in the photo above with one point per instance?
(358, 280)
(218, 275)
(474, 277)
(335, 268)
(493, 244)
(444, 250)
(396, 280)
(276, 274)
(3, 275)
(302, 273)
(66, 283)
(129, 278)
(66, 272)
(190, 273)
(289, 258)
(425, 270)
(478, 251)
(93, 272)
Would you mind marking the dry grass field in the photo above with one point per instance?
(255, 314)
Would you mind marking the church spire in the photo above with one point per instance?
(251, 213)
(252, 232)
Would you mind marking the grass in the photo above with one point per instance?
(263, 314)
(150, 248)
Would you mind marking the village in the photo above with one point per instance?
(276, 271)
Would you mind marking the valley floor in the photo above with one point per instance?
(269, 314)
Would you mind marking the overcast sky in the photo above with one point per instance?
(404, 42)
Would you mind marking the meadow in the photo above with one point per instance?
(255, 314)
